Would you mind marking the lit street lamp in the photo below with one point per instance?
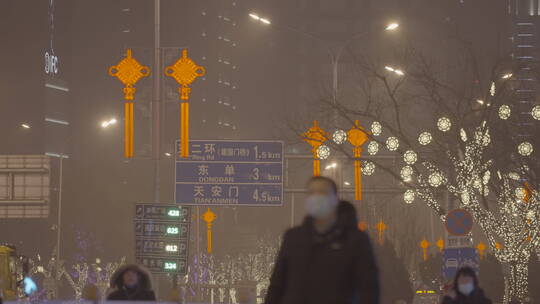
(334, 54)
(394, 70)
(258, 18)
(392, 26)
(106, 123)
(25, 126)
(332, 165)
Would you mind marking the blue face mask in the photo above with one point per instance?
(466, 289)
(320, 206)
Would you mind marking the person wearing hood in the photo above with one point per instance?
(465, 289)
(326, 259)
(131, 283)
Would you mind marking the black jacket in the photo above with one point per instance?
(476, 297)
(337, 267)
(143, 292)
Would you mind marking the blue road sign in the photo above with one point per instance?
(455, 258)
(459, 222)
(224, 173)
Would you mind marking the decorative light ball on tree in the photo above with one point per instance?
(435, 179)
(444, 124)
(410, 157)
(339, 136)
(368, 168)
(373, 148)
(392, 143)
(535, 112)
(406, 173)
(505, 112)
(323, 152)
(492, 89)
(425, 138)
(525, 148)
(463, 135)
(531, 215)
(376, 128)
(408, 196)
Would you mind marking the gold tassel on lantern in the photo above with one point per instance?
(381, 227)
(315, 137)
(209, 217)
(357, 174)
(424, 244)
(357, 137)
(316, 166)
(184, 129)
(184, 71)
(481, 247)
(128, 129)
(129, 71)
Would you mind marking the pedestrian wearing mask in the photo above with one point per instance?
(131, 283)
(465, 289)
(326, 259)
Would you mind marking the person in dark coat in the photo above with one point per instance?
(465, 289)
(131, 283)
(326, 259)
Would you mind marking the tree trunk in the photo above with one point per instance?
(516, 282)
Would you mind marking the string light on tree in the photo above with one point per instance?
(514, 176)
(425, 138)
(510, 223)
(444, 124)
(520, 193)
(486, 178)
(483, 137)
(463, 135)
(392, 143)
(504, 112)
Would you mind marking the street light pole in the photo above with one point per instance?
(334, 55)
(156, 102)
(59, 220)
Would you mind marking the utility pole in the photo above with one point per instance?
(156, 102)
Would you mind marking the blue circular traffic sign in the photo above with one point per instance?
(459, 222)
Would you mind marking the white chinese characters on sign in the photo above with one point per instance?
(199, 191)
(203, 170)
